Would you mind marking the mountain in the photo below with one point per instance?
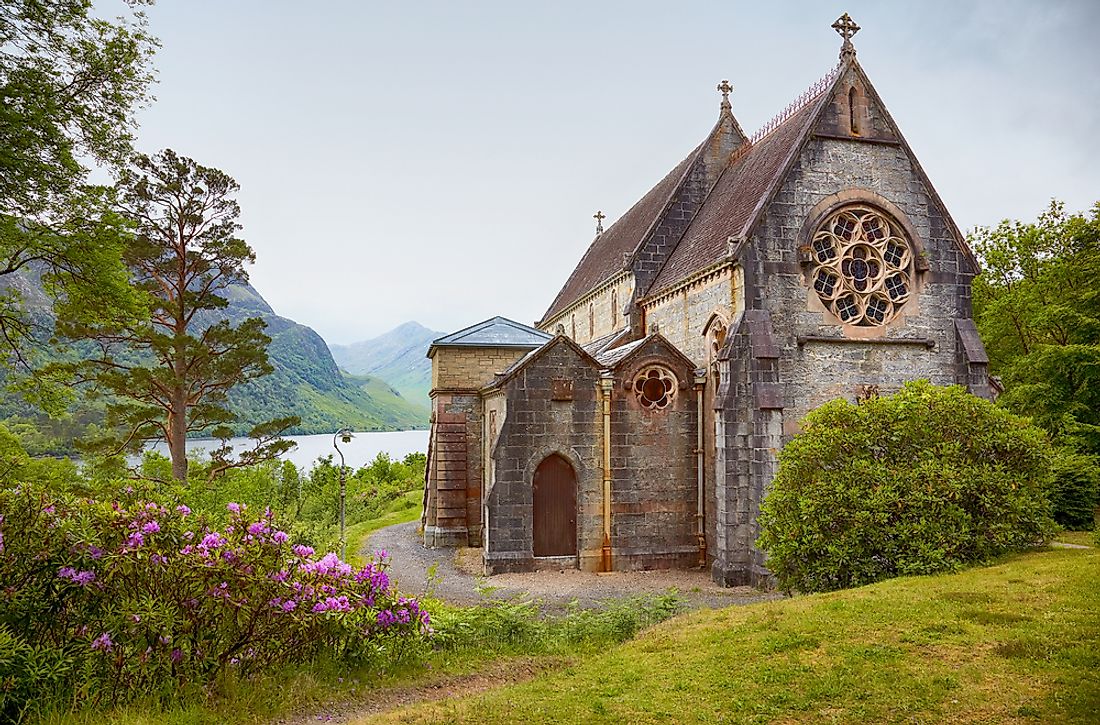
(308, 383)
(398, 357)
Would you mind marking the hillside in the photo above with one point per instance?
(1014, 642)
(398, 357)
(306, 382)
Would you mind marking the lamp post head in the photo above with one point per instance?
(344, 434)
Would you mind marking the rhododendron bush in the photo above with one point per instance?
(101, 601)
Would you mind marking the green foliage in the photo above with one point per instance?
(923, 481)
(183, 257)
(105, 602)
(69, 85)
(1074, 489)
(1037, 306)
(518, 626)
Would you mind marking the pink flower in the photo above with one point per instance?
(135, 540)
(95, 552)
(303, 551)
(177, 654)
(151, 528)
(183, 509)
(257, 528)
(280, 537)
(233, 507)
(103, 642)
(213, 540)
(289, 605)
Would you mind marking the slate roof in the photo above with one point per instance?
(737, 197)
(604, 257)
(608, 358)
(494, 332)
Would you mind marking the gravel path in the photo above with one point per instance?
(410, 562)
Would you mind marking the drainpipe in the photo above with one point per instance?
(700, 533)
(606, 383)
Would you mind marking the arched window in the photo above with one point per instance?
(614, 309)
(573, 326)
(862, 266)
(591, 320)
(853, 111)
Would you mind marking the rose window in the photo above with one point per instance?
(655, 388)
(861, 266)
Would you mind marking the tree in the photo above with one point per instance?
(69, 85)
(172, 368)
(1037, 307)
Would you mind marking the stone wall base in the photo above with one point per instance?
(740, 575)
(436, 537)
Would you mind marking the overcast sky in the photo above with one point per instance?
(441, 162)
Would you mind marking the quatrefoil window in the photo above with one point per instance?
(655, 387)
(861, 266)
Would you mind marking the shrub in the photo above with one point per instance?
(103, 602)
(1074, 489)
(919, 482)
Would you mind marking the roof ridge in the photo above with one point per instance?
(804, 99)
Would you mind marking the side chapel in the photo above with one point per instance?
(637, 424)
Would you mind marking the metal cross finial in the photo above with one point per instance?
(725, 89)
(599, 217)
(846, 28)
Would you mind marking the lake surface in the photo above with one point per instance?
(362, 449)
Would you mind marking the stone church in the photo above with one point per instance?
(637, 424)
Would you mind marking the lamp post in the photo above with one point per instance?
(344, 436)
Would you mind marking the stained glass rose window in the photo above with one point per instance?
(861, 265)
(655, 387)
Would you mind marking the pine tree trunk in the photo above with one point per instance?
(177, 440)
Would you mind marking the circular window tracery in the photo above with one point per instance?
(655, 387)
(861, 266)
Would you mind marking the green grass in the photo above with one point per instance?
(1083, 538)
(1014, 642)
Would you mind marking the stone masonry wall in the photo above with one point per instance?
(605, 317)
(682, 316)
(654, 484)
(470, 368)
(537, 426)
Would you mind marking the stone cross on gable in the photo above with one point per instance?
(725, 89)
(846, 28)
(599, 217)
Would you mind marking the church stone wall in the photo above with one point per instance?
(682, 316)
(470, 368)
(766, 396)
(654, 489)
(814, 371)
(538, 425)
(605, 317)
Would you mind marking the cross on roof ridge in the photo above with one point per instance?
(846, 28)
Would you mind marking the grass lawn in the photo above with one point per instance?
(1084, 538)
(1015, 642)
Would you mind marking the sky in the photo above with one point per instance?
(441, 161)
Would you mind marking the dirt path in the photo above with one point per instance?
(497, 674)
(410, 563)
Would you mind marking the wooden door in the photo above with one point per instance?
(555, 508)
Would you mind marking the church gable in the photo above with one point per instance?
(639, 242)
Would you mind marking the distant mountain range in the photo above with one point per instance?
(398, 357)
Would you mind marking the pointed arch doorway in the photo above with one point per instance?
(555, 508)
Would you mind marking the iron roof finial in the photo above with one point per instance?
(846, 28)
(599, 217)
(725, 89)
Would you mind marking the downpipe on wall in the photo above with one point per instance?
(606, 384)
(700, 533)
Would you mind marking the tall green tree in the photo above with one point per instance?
(1037, 306)
(69, 85)
(170, 370)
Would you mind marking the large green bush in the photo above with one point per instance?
(923, 481)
